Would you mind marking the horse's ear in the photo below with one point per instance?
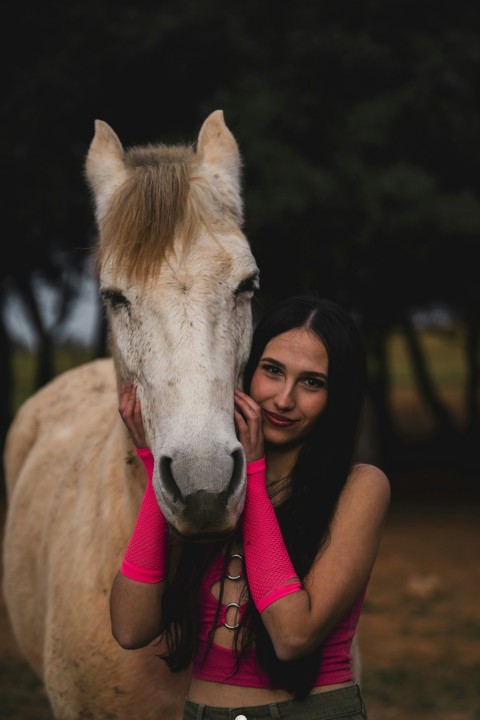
(218, 152)
(104, 166)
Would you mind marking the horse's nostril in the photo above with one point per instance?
(168, 480)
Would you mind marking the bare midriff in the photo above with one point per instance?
(224, 695)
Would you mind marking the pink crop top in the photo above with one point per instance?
(218, 664)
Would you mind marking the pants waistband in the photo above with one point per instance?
(322, 706)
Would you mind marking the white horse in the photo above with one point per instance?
(177, 277)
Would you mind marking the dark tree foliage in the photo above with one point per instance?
(358, 125)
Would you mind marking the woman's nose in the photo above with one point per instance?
(285, 399)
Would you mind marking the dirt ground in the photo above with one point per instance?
(420, 630)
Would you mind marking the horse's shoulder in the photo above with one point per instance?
(78, 398)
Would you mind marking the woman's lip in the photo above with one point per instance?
(278, 420)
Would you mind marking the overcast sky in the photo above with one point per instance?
(81, 328)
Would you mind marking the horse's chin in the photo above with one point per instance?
(202, 538)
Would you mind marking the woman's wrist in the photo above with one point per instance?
(147, 459)
(256, 466)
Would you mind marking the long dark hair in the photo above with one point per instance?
(319, 476)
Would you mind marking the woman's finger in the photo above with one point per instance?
(246, 404)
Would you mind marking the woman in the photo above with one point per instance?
(267, 619)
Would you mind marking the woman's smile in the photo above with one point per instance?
(277, 420)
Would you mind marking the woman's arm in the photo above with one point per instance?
(137, 590)
(135, 611)
(301, 621)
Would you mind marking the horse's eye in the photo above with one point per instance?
(249, 285)
(116, 298)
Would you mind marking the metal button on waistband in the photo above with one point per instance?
(240, 717)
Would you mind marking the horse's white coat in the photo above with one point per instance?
(74, 481)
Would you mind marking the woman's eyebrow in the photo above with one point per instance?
(272, 360)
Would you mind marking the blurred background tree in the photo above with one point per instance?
(358, 125)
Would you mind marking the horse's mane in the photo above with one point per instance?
(165, 197)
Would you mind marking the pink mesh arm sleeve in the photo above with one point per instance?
(268, 565)
(145, 559)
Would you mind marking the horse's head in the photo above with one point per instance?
(177, 277)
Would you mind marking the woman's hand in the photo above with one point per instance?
(131, 414)
(248, 421)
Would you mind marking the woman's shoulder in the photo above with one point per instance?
(367, 478)
(362, 469)
(362, 507)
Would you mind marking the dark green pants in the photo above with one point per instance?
(344, 703)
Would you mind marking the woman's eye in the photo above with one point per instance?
(315, 383)
(272, 369)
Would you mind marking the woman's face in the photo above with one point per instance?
(290, 384)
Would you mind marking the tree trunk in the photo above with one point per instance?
(443, 418)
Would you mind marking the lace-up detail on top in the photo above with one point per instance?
(218, 664)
